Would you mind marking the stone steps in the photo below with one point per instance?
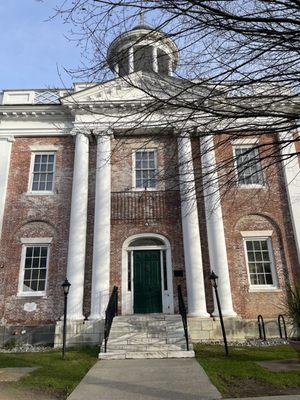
(146, 336)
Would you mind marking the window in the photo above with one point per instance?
(145, 169)
(260, 261)
(248, 165)
(34, 266)
(42, 176)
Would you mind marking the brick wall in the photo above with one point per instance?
(35, 216)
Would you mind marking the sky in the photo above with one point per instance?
(33, 49)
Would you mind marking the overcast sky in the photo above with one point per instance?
(32, 48)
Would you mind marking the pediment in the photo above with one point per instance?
(139, 86)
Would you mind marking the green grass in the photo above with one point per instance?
(54, 376)
(240, 375)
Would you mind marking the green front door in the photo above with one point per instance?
(147, 281)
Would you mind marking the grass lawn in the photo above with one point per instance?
(54, 376)
(239, 376)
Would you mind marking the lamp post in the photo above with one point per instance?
(214, 278)
(66, 287)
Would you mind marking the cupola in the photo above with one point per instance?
(143, 48)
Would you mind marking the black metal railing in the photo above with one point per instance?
(111, 312)
(281, 320)
(261, 327)
(182, 311)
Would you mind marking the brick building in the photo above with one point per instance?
(89, 193)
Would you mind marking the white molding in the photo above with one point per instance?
(167, 295)
(37, 240)
(257, 234)
(245, 141)
(42, 242)
(44, 147)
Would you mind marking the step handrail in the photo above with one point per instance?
(183, 313)
(110, 313)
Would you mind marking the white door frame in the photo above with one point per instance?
(167, 295)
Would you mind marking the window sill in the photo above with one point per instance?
(265, 289)
(28, 295)
(40, 193)
(252, 186)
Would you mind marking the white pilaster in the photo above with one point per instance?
(154, 59)
(78, 223)
(215, 226)
(291, 169)
(190, 228)
(5, 151)
(101, 249)
(131, 60)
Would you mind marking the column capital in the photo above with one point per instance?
(8, 138)
(103, 132)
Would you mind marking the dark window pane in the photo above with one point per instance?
(43, 262)
(35, 263)
(42, 274)
(269, 279)
(44, 251)
(29, 251)
(34, 285)
(41, 286)
(36, 252)
(249, 245)
(35, 274)
(27, 274)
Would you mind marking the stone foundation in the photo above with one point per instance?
(28, 334)
(80, 333)
(205, 329)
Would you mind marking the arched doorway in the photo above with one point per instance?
(147, 283)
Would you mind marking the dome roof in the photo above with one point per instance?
(142, 41)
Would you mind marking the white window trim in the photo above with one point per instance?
(245, 141)
(44, 147)
(134, 172)
(31, 192)
(249, 234)
(243, 185)
(26, 242)
(262, 288)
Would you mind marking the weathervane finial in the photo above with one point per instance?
(142, 15)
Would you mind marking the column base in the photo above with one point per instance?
(225, 313)
(74, 317)
(94, 317)
(203, 314)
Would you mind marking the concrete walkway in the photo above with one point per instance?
(151, 379)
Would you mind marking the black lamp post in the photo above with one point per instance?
(66, 287)
(214, 279)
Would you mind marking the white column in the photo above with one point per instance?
(131, 60)
(117, 70)
(291, 169)
(101, 249)
(190, 228)
(78, 222)
(170, 66)
(154, 59)
(5, 151)
(215, 227)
